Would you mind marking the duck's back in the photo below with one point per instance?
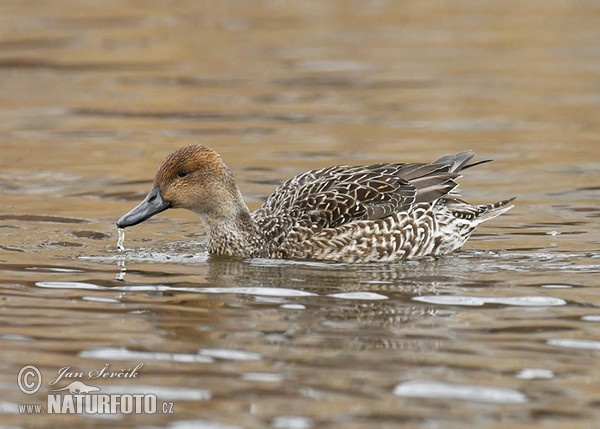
(368, 212)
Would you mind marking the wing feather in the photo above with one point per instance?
(334, 196)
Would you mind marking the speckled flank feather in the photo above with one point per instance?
(372, 213)
(378, 212)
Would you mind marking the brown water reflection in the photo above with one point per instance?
(503, 334)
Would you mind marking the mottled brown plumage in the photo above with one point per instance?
(341, 213)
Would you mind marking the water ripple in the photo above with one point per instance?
(124, 354)
(474, 301)
(230, 354)
(359, 295)
(257, 291)
(465, 392)
(200, 424)
(535, 373)
(164, 393)
(575, 343)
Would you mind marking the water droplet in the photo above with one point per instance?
(122, 270)
(121, 239)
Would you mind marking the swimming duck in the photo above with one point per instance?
(367, 213)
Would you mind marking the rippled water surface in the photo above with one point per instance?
(95, 94)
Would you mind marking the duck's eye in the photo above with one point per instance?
(182, 174)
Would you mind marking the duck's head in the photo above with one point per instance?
(194, 178)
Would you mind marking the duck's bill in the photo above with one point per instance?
(151, 205)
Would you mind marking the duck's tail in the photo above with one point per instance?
(492, 210)
(476, 214)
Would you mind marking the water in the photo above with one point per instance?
(121, 239)
(505, 333)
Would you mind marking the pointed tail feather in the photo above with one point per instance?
(457, 160)
(490, 211)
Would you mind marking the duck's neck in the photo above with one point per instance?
(232, 232)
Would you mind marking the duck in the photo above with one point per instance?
(365, 213)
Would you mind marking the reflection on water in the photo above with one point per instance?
(93, 99)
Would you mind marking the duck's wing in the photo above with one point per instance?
(334, 196)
